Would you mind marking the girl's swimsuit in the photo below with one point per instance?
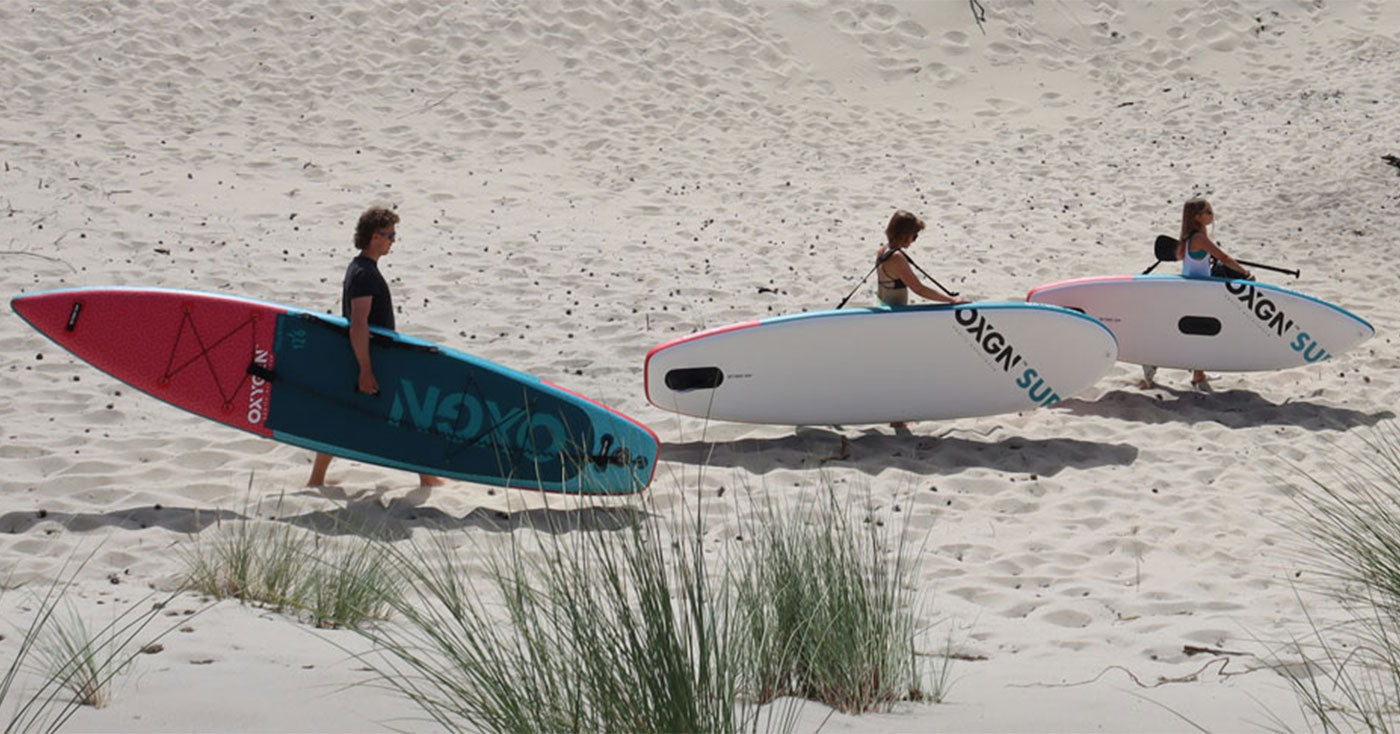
(1196, 263)
(890, 292)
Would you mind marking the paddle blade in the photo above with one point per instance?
(1165, 248)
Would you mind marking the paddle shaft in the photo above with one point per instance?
(1276, 269)
(931, 279)
(1166, 243)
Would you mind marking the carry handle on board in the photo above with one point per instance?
(880, 262)
(1165, 250)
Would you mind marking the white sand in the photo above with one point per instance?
(581, 181)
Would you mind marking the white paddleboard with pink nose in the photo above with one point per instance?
(879, 365)
(1217, 324)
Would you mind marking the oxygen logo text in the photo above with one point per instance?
(258, 391)
(1000, 351)
(465, 418)
(1273, 319)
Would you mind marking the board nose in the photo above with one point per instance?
(47, 312)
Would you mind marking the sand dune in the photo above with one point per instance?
(581, 181)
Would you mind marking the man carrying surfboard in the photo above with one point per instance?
(365, 301)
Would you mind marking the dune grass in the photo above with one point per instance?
(332, 582)
(831, 607)
(1349, 677)
(71, 654)
(573, 630)
(252, 561)
(74, 662)
(650, 628)
(352, 581)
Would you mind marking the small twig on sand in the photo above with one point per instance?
(430, 105)
(1197, 650)
(1161, 680)
(35, 254)
(979, 14)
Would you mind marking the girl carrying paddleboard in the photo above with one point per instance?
(1195, 251)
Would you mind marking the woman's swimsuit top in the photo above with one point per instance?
(1196, 264)
(891, 292)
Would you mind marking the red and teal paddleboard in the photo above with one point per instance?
(289, 375)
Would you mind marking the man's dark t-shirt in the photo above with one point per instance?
(362, 279)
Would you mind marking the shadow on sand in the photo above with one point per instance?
(366, 516)
(1229, 408)
(874, 451)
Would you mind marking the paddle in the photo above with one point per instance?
(880, 262)
(1165, 250)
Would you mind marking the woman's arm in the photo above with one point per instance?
(898, 266)
(1220, 255)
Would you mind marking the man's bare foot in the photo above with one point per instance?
(428, 480)
(1149, 377)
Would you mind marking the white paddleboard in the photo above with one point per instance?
(879, 365)
(1210, 323)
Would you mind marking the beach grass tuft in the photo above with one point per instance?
(658, 626)
(74, 662)
(350, 581)
(1349, 674)
(70, 653)
(830, 607)
(252, 561)
(574, 630)
(332, 582)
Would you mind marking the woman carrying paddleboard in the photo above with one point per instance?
(1195, 250)
(895, 277)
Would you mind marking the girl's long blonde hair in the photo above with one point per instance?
(1189, 212)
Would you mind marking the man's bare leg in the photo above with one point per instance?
(318, 470)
